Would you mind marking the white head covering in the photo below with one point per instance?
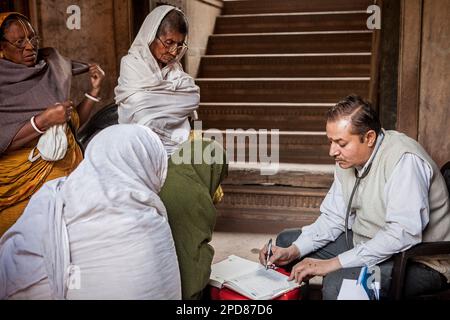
(145, 94)
(124, 169)
(106, 218)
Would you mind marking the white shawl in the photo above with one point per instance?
(106, 219)
(160, 99)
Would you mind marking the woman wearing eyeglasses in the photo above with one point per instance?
(153, 90)
(36, 115)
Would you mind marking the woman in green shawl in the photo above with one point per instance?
(188, 195)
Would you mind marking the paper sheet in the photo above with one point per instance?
(229, 268)
(263, 284)
(351, 291)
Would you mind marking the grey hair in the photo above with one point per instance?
(175, 20)
(362, 116)
(10, 20)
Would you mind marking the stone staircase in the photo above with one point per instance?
(280, 65)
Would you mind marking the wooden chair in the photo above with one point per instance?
(106, 117)
(423, 249)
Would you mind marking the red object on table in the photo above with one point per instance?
(228, 294)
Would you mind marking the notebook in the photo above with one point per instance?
(250, 279)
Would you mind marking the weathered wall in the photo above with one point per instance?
(434, 112)
(104, 37)
(202, 17)
(106, 34)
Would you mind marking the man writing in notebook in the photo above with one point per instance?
(387, 195)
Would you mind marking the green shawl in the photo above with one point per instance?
(187, 194)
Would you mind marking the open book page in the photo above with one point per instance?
(261, 284)
(230, 268)
(249, 278)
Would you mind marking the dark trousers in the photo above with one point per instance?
(419, 278)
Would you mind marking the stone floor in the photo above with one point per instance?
(245, 245)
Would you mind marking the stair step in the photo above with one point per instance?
(288, 65)
(271, 6)
(267, 208)
(271, 203)
(290, 42)
(292, 22)
(293, 175)
(299, 90)
(292, 146)
(282, 116)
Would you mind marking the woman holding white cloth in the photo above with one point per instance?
(153, 90)
(102, 232)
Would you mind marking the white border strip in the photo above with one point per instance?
(268, 104)
(285, 79)
(291, 14)
(281, 55)
(290, 33)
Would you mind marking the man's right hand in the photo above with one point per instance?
(280, 256)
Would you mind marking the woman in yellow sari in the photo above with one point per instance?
(37, 118)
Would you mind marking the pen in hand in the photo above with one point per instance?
(269, 253)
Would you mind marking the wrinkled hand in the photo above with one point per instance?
(308, 268)
(280, 256)
(58, 113)
(97, 76)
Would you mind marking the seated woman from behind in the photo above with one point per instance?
(100, 233)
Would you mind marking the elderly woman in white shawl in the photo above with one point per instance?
(101, 233)
(153, 90)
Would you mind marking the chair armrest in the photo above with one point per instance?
(428, 249)
(401, 260)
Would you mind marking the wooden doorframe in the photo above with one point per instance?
(409, 67)
(375, 65)
(25, 7)
(384, 63)
(139, 10)
(21, 6)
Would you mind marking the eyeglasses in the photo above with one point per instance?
(172, 46)
(22, 43)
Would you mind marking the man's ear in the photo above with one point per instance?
(371, 138)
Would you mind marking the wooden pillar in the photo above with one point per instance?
(388, 62)
(409, 67)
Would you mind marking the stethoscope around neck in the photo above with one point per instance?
(358, 180)
(349, 205)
